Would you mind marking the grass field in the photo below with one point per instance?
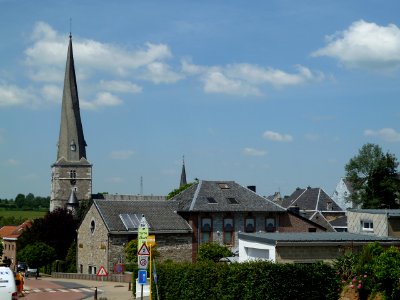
(25, 214)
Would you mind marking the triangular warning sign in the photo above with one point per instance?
(143, 250)
(102, 272)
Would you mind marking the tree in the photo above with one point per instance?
(70, 259)
(37, 255)
(181, 189)
(213, 251)
(374, 179)
(57, 229)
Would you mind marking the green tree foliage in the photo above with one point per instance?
(37, 254)
(56, 229)
(70, 259)
(181, 189)
(375, 269)
(213, 252)
(28, 202)
(131, 251)
(373, 176)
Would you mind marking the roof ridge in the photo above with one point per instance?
(196, 193)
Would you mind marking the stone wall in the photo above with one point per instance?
(92, 243)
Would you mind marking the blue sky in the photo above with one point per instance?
(277, 94)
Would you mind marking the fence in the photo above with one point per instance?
(111, 277)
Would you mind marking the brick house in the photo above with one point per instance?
(10, 235)
(218, 210)
(304, 247)
(112, 222)
(378, 222)
(315, 205)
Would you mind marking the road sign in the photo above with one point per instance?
(142, 276)
(143, 261)
(151, 241)
(143, 250)
(143, 231)
(119, 268)
(102, 272)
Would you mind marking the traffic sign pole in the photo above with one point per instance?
(150, 272)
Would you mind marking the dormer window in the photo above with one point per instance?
(73, 146)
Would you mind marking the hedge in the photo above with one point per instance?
(252, 280)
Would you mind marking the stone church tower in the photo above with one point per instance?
(71, 174)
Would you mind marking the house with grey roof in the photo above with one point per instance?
(218, 210)
(110, 224)
(342, 194)
(304, 247)
(377, 222)
(315, 205)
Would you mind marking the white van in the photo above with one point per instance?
(8, 289)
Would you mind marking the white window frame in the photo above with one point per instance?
(367, 225)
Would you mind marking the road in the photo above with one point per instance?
(45, 288)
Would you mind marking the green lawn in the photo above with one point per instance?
(25, 214)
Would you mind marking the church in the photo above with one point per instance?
(207, 211)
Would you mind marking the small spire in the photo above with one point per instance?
(183, 174)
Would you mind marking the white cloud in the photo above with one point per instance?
(216, 82)
(365, 45)
(11, 95)
(254, 152)
(277, 137)
(120, 86)
(159, 72)
(122, 154)
(247, 79)
(103, 99)
(387, 134)
(52, 93)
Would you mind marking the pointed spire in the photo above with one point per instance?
(73, 200)
(183, 174)
(71, 143)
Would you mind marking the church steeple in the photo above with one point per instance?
(71, 179)
(71, 143)
(183, 174)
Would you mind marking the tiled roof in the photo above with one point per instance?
(160, 215)
(301, 237)
(224, 196)
(391, 213)
(113, 197)
(313, 199)
(7, 230)
(13, 232)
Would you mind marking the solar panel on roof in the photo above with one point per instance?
(131, 221)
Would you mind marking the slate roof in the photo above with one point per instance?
(339, 222)
(310, 199)
(391, 213)
(160, 215)
(314, 237)
(222, 196)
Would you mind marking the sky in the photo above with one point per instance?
(276, 94)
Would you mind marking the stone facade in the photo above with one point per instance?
(98, 247)
(382, 224)
(93, 243)
(67, 178)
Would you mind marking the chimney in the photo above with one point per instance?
(252, 188)
(295, 209)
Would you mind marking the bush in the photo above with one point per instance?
(253, 280)
(213, 252)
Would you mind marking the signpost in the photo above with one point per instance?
(102, 272)
(143, 233)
